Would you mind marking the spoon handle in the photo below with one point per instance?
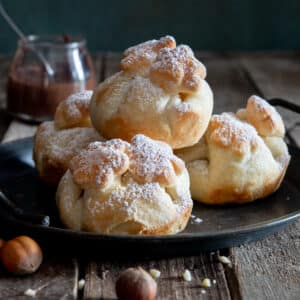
(12, 24)
(22, 36)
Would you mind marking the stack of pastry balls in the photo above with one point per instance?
(110, 151)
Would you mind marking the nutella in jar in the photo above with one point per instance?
(32, 94)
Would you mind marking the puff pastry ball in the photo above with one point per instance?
(241, 158)
(55, 143)
(116, 187)
(160, 92)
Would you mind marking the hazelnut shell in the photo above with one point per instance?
(136, 284)
(21, 255)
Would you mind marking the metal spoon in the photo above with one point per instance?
(22, 36)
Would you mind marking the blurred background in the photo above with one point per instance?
(116, 24)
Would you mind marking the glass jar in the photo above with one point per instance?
(33, 92)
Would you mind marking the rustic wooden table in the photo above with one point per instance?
(267, 269)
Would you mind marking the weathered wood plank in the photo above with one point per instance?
(275, 76)
(57, 278)
(229, 84)
(270, 269)
(101, 278)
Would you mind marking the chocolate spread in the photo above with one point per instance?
(31, 93)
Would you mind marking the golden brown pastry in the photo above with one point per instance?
(74, 111)
(242, 156)
(160, 92)
(115, 187)
(55, 143)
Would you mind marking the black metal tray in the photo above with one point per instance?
(221, 227)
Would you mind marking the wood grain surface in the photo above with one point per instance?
(267, 269)
(57, 278)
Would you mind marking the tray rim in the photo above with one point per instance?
(175, 237)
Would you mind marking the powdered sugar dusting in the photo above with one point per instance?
(62, 145)
(99, 164)
(143, 50)
(172, 60)
(129, 196)
(200, 165)
(183, 199)
(145, 53)
(116, 144)
(230, 131)
(263, 107)
(83, 96)
(180, 67)
(73, 104)
(198, 220)
(184, 107)
(261, 104)
(143, 92)
(151, 158)
(150, 161)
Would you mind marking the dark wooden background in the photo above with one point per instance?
(267, 269)
(202, 24)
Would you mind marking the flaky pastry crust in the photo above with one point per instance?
(74, 111)
(241, 158)
(142, 55)
(116, 187)
(53, 149)
(263, 117)
(159, 92)
(55, 143)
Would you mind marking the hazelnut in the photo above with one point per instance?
(21, 255)
(136, 284)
